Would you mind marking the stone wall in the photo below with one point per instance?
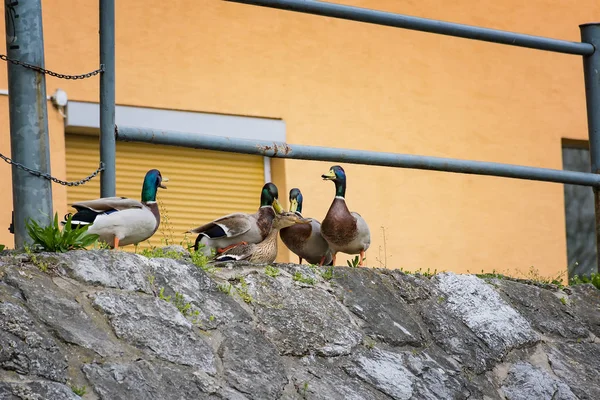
(126, 327)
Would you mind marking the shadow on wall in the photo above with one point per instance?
(579, 214)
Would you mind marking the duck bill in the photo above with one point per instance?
(302, 221)
(277, 206)
(162, 185)
(330, 176)
(293, 205)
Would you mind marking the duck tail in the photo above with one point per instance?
(198, 241)
(80, 218)
(65, 218)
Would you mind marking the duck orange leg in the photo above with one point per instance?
(116, 246)
(231, 246)
(362, 258)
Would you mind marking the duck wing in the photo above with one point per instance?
(108, 204)
(231, 225)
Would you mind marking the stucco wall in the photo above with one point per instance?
(57, 161)
(344, 84)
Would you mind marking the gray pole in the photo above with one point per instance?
(107, 98)
(590, 33)
(29, 142)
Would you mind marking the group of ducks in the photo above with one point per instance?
(120, 221)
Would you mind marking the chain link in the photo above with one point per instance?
(50, 177)
(51, 73)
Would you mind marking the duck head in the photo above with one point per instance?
(287, 219)
(296, 201)
(338, 176)
(152, 181)
(269, 197)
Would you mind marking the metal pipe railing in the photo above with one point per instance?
(107, 99)
(425, 25)
(303, 152)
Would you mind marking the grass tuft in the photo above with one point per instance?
(52, 238)
(299, 277)
(271, 271)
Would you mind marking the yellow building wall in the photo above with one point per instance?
(57, 165)
(346, 84)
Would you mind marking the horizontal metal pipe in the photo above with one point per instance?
(303, 152)
(425, 25)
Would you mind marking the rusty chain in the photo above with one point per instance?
(51, 73)
(50, 177)
(60, 76)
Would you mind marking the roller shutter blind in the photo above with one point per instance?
(203, 184)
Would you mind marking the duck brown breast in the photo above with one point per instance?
(295, 236)
(265, 221)
(339, 226)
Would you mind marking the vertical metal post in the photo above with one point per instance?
(590, 33)
(107, 98)
(29, 142)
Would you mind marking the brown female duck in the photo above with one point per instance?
(236, 228)
(264, 252)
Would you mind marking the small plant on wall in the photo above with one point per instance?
(52, 238)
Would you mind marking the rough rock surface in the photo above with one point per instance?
(121, 326)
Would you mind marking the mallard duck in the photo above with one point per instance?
(236, 228)
(345, 231)
(120, 221)
(305, 240)
(264, 252)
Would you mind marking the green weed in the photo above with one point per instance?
(594, 279)
(52, 238)
(184, 307)
(197, 257)
(79, 390)
(298, 276)
(166, 228)
(369, 343)
(225, 288)
(563, 300)
(161, 295)
(242, 291)
(201, 261)
(35, 260)
(178, 300)
(354, 262)
(328, 274)
(272, 271)
(157, 252)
